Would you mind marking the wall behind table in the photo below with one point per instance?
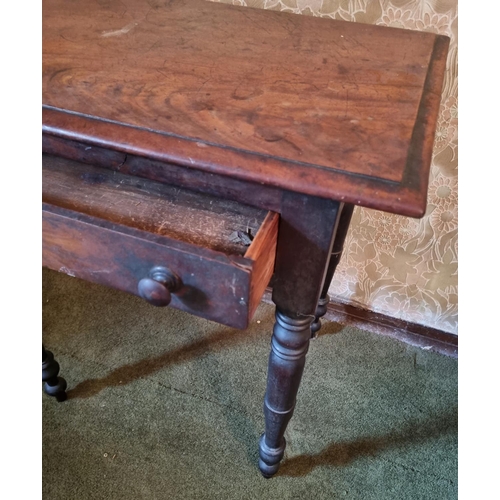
(400, 267)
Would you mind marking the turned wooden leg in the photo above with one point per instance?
(338, 245)
(54, 386)
(289, 345)
(307, 228)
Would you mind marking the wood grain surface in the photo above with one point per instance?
(328, 108)
(263, 253)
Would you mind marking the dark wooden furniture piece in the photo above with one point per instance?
(54, 385)
(193, 149)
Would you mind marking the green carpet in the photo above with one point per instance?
(163, 405)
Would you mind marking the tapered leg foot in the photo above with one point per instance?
(270, 458)
(54, 386)
(289, 346)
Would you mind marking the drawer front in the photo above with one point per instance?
(215, 286)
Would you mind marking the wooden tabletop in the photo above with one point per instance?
(330, 108)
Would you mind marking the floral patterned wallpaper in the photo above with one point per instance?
(404, 268)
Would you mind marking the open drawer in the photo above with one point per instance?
(207, 256)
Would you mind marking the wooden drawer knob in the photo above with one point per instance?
(158, 286)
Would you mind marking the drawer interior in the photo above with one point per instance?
(112, 228)
(199, 219)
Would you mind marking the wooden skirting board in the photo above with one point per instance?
(425, 337)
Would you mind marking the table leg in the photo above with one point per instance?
(338, 246)
(54, 385)
(290, 342)
(306, 232)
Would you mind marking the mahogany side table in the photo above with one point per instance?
(192, 151)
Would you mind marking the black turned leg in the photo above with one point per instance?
(338, 245)
(305, 239)
(54, 385)
(289, 346)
